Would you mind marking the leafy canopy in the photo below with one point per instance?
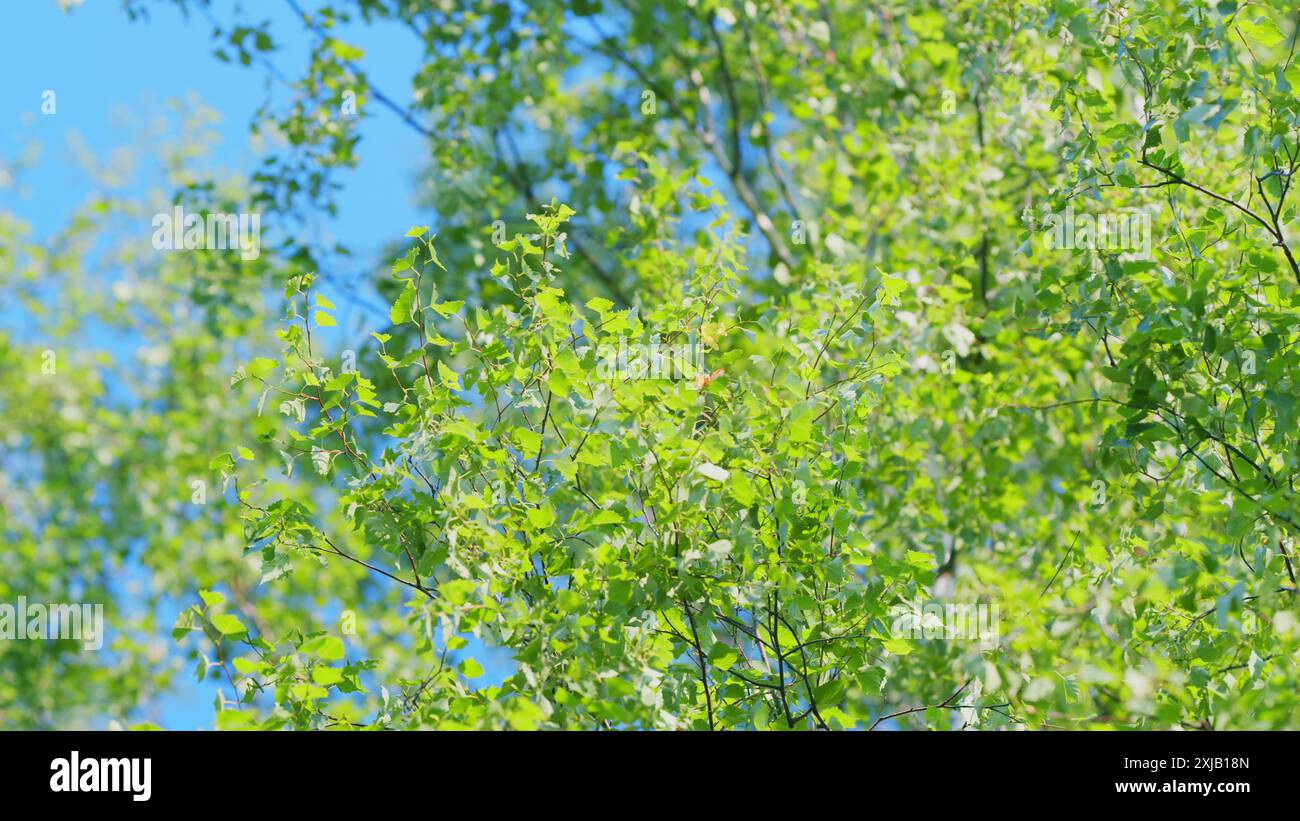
(909, 390)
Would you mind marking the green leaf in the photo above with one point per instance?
(211, 599)
(447, 309)
(326, 648)
(261, 367)
(541, 517)
(326, 676)
(448, 377)
(228, 625)
(1261, 30)
(403, 309)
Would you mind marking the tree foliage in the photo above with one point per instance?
(908, 390)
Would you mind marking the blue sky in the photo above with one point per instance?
(111, 75)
